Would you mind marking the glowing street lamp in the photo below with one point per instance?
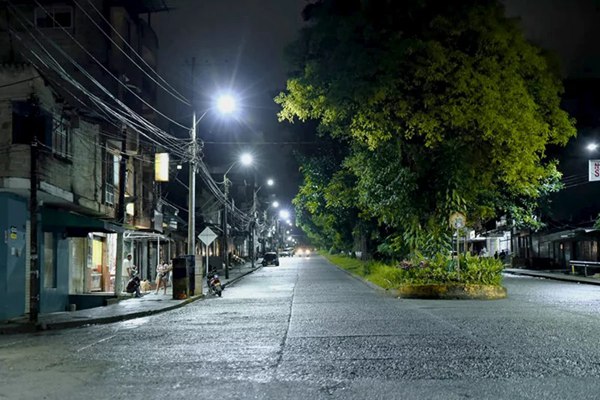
(245, 159)
(226, 104)
(284, 214)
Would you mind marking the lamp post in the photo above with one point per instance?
(269, 182)
(245, 159)
(225, 104)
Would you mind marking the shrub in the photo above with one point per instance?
(420, 270)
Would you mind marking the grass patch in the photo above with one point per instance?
(420, 271)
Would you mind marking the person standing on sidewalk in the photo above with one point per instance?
(126, 271)
(162, 276)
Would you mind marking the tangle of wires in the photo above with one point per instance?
(50, 59)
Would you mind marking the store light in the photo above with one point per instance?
(130, 209)
(161, 167)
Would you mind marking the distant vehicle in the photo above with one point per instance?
(303, 252)
(270, 259)
(286, 252)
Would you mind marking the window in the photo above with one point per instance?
(60, 137)
(53, 132)
(54, 17)
(49, 266)
(111, 178)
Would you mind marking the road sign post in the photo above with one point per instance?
(207, 236)
(458, 221)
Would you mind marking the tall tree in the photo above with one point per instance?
(447, 106)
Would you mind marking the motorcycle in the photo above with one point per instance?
(214, 285)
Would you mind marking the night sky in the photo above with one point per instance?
(238, 46)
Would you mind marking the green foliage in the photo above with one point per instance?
(440, 106)
(420, 270)
(325, 201)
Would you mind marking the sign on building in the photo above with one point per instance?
(594, 170)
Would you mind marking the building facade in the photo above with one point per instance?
(87, 166)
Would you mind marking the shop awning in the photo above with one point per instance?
(75, 225)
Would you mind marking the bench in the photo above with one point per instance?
(583, 264)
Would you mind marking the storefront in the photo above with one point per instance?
(147, 250)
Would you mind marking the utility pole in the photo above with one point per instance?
(191, 250)
(34, 266)
(224, 244)
(253, 219)
(120, 212)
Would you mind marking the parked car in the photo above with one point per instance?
(270, 258)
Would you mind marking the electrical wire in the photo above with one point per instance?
(127, 116)
(52, 63)
(174, 92)
(89, 54)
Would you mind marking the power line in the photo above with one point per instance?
(173, 93)
(53, 64)
(89, 54)
(17, 82)
(127, 117)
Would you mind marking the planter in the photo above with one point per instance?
(452, 292)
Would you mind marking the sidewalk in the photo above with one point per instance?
(552, 275)
(126, 308)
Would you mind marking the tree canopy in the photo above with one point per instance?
(443, 105)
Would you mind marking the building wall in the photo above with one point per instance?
(75, 181)
(13, 276)
(56, 298)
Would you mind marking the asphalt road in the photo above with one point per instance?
(307, 330)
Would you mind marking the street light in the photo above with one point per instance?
(592, 146)
(225, 105)
(245, 159)
(269, 182)
(284, 214)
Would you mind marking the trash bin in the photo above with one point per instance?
(180, 278)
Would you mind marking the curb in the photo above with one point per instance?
(113, 318)
(453, 292)
(553, 276)
(47, 326)
(234, 280)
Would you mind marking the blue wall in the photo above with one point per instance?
(55, 299)
(13, 216)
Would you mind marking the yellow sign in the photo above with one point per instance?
(161, 167)
(458, 220)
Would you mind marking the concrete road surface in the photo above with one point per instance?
(306, 330)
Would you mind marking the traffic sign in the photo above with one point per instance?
(457, 220)
(207, 236)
